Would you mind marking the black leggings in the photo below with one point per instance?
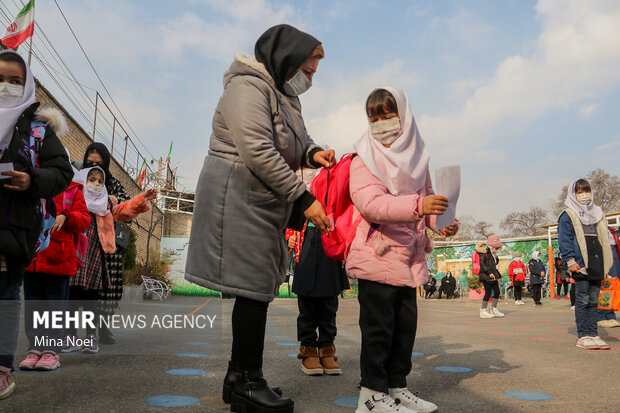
(488, 287)
(518, 289)
(559, 288)
(248, 325)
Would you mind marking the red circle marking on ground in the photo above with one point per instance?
(499, 332)
(523, 326)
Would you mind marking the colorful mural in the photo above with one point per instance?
(457, 258)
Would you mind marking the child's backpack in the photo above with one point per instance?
(475, 263)
(331, 188)
(47, 206)
(80, 240)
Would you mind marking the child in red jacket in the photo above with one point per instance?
(46, 280)
(516, 272)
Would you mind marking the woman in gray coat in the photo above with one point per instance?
(245, 197)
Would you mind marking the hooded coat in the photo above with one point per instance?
(20, 217)
(247, 186)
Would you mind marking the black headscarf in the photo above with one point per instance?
(103, 151)
(282, 49)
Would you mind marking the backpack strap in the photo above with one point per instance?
(37, 135)
(68, 197)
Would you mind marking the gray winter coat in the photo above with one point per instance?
(247, 186)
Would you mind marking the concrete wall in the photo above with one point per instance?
(76, 141)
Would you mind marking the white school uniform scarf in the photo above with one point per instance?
(403, 166)
(96, 203)
(588, 214)
(9, 116)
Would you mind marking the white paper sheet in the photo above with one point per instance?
(5, 167)
(448, 184)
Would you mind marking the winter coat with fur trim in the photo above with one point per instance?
(59, 257)
(488, 263)
(124, 211)
(390, 243)
(247, 186)
(20, 219)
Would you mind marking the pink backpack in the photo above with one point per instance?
(80, 240)
(475, 263)
(331, 188)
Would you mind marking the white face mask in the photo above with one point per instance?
(518, 259)
(297, 85)
(584, 198)
(10, 94)
(95, 189)
(386, 131)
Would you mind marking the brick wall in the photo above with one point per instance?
(76, 141)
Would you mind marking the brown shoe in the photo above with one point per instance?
(310, 363)
(328, 360)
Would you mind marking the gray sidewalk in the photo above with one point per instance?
(460, 362)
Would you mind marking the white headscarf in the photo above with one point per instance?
(9, 116)
(588, 214)
(96, 203)
(536, 255)
(403, 166)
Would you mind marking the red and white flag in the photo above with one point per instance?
(21, 29)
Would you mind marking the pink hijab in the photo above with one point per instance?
(402, 167)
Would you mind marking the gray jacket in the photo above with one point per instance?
(247, 186)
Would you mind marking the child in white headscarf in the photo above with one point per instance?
(394, 203)
(584, 243)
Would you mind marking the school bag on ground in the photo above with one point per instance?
(609, 297)
(331, 188)
(47, 207)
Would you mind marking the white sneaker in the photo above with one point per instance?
(411, 401)
(572, 307)
(496, 312)
(521, 302)
(608, 323)
(485, 314)
(377, 402)
(600, 343)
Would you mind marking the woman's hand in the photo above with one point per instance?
(434, 205)
(20, 181)
(60, 221)
(316, 214)
(113, 200)
(150, 194)
(325, 158)
(574, 268)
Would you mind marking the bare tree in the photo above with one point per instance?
(606, 189)
(524, 224)
(482, 229)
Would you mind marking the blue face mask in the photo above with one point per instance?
(297, 85)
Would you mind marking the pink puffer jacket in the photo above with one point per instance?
(394, 252)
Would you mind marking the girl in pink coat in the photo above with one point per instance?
(392, 192)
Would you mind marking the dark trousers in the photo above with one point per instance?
(248, 324)
(559, 288)
(430, 291)
(316, 313)
(44, 292)
(388, 321)
(518, 291)
(586, 293)
(572, 295)
(448, 290)
(87, 299)
(492, 287)
(9, 314)
(536, 292)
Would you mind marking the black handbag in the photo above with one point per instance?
(121, 235)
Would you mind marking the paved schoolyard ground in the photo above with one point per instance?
(460, 362)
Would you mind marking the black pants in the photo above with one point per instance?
(492, 287)
(446, 289)
(248, 324)
(518, 291)
(388, 321)
(44, 292)
(559, 289)
(572, 295)
(316, 313)
(430, 291)
(536, 292)
(87, 299)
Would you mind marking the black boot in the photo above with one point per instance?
(252, 394)
(232, 375)
(105, 335)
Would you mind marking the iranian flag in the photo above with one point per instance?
(21, 29)
(142, 174)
